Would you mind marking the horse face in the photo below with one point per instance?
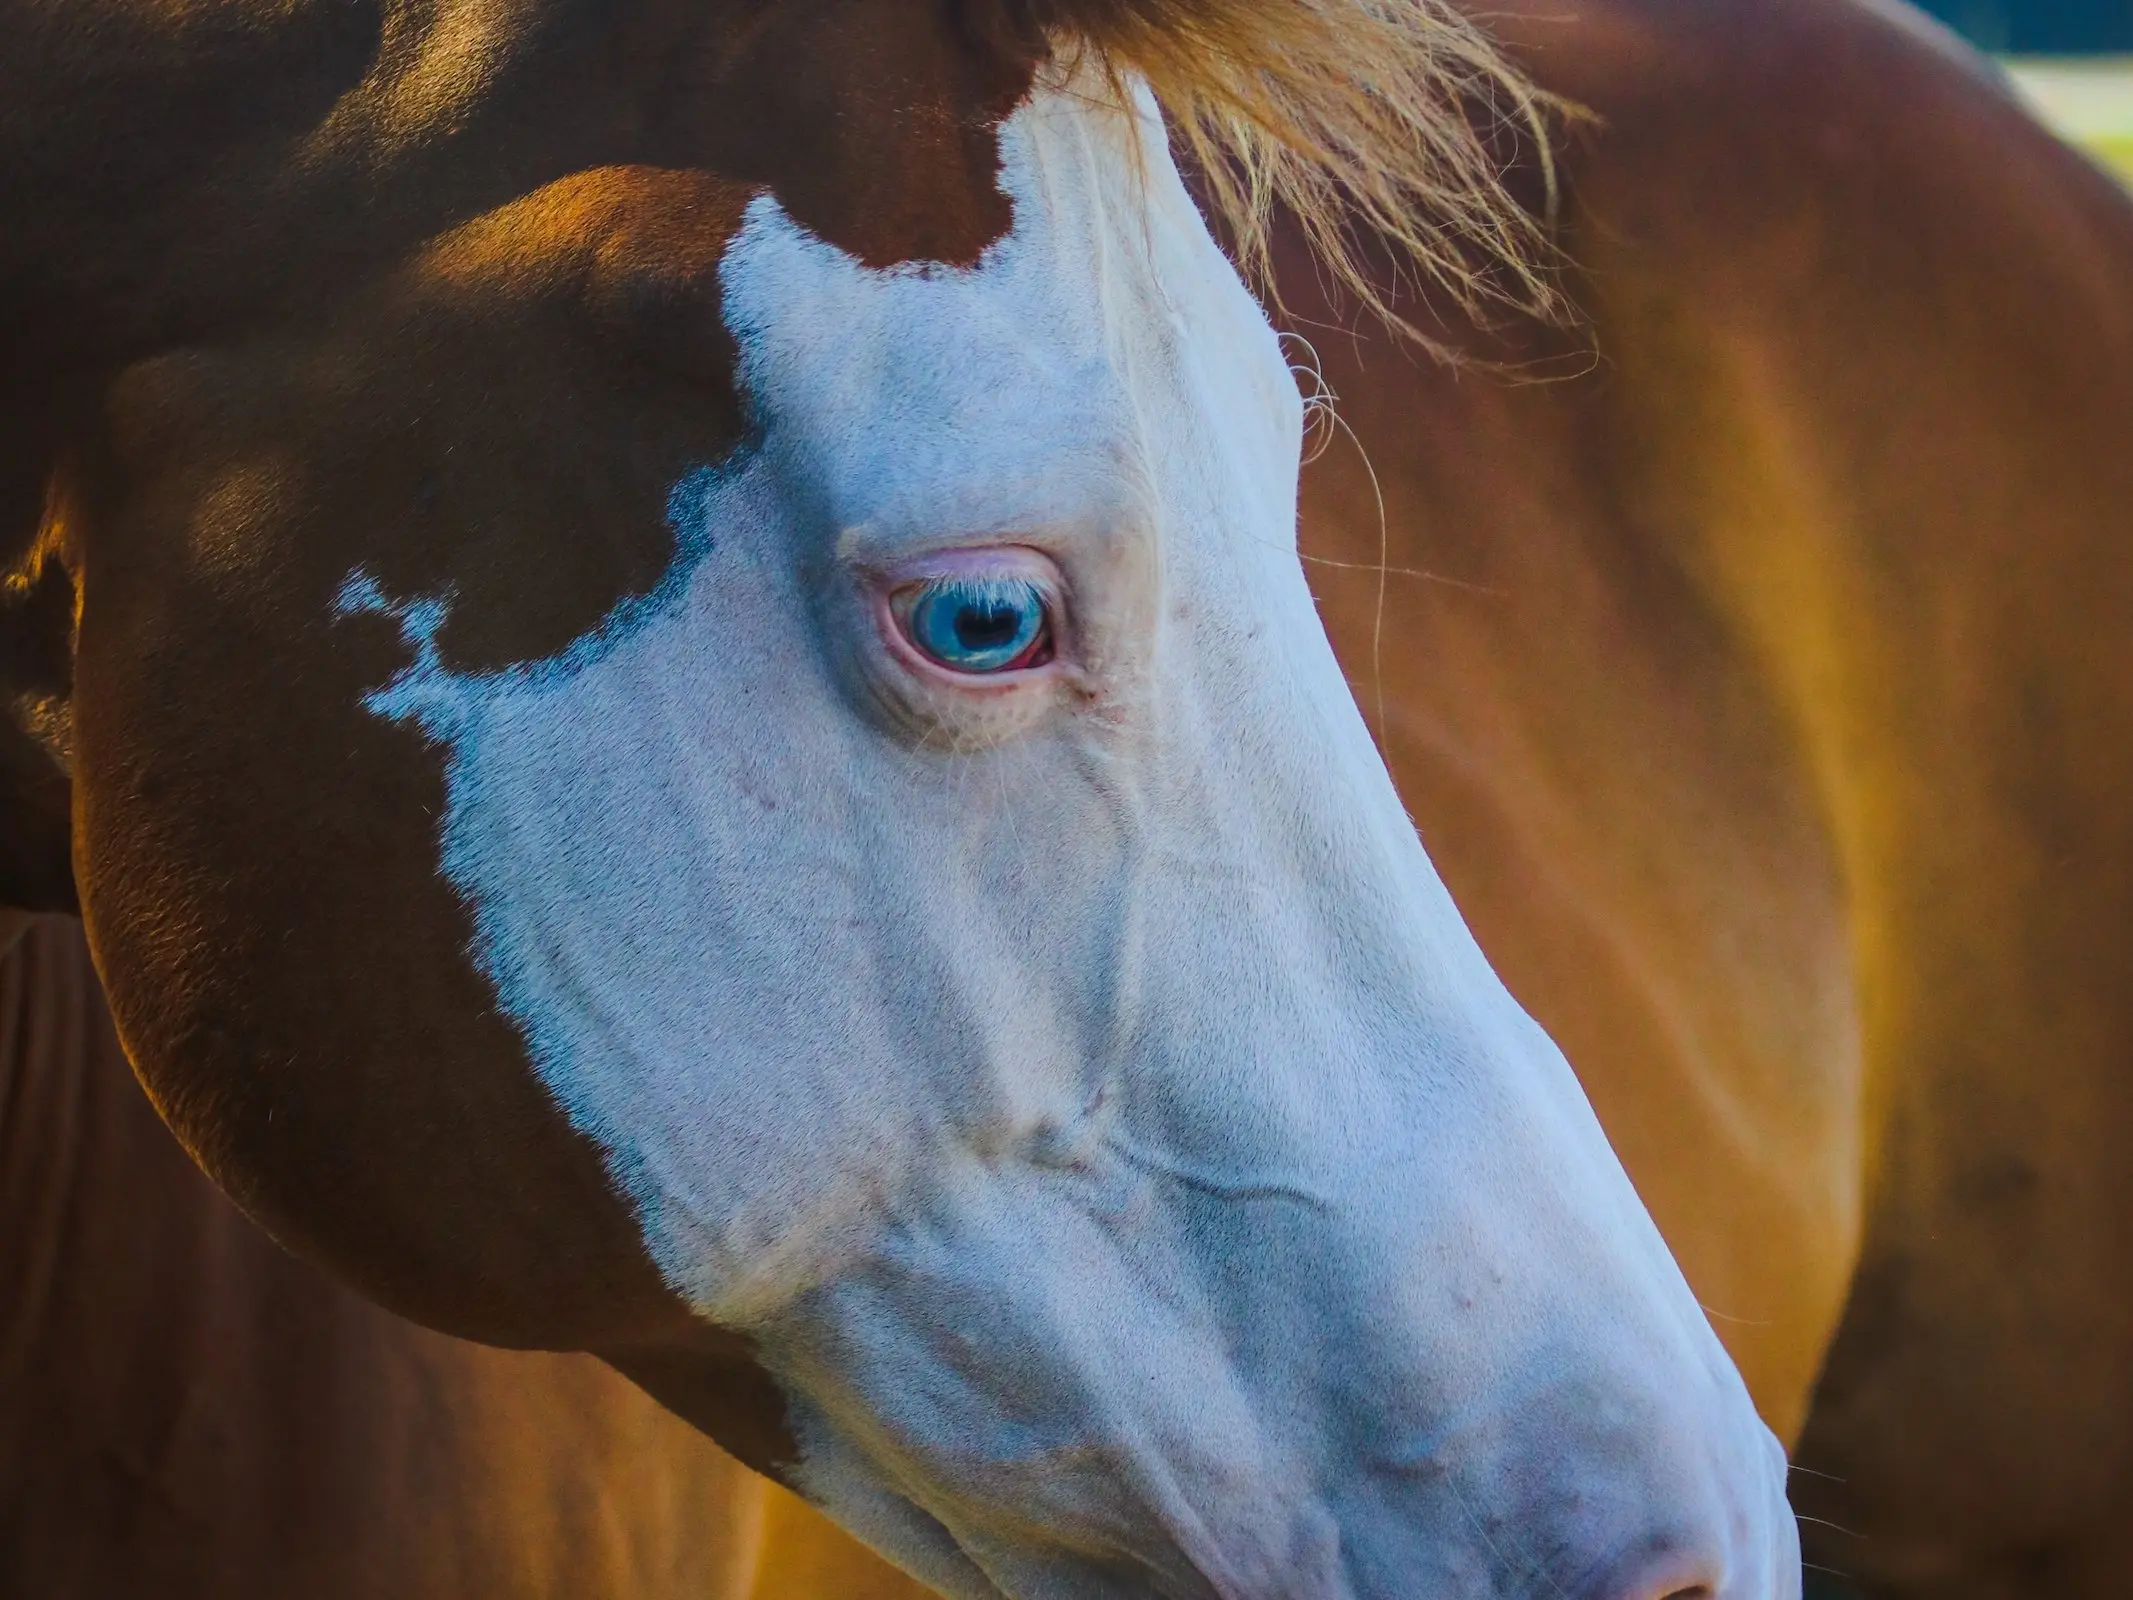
(1124, 1156)
(940, 918)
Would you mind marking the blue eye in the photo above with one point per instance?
(978, 623)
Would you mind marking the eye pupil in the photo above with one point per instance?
(986, 626)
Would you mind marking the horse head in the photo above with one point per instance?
(695, 733)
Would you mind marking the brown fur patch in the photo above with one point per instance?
(503, 419)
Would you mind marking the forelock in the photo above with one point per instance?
(1368, 121)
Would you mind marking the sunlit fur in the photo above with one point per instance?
(1356, 117)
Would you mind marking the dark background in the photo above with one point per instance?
(2040, 27)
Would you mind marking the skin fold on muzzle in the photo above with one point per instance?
(1072, 1078)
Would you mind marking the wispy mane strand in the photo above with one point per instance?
(1359, 118)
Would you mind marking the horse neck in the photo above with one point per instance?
(1894, 467)
(180, 1398)
(56, 1125)
(87, 1177)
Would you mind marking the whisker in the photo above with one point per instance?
(1726, 1316)
(1377, 620)
(1318, 396)
(1531, 1569)
(1400, 572)
(1824, 1522)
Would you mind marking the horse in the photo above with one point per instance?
(1670, 731)
(663, 648)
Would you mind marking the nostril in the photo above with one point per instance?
(1670, 1587)
(1679, 1577)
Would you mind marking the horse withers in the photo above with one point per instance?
(695, 733)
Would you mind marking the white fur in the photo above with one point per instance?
(1101, 1116)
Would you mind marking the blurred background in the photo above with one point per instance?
(2088, 99)
(2071, 59)
(2041, 27)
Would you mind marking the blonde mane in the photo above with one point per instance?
(1359, 118)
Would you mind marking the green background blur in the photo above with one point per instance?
(2088, 99)
(2061, 54)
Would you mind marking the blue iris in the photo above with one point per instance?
(977, 624)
